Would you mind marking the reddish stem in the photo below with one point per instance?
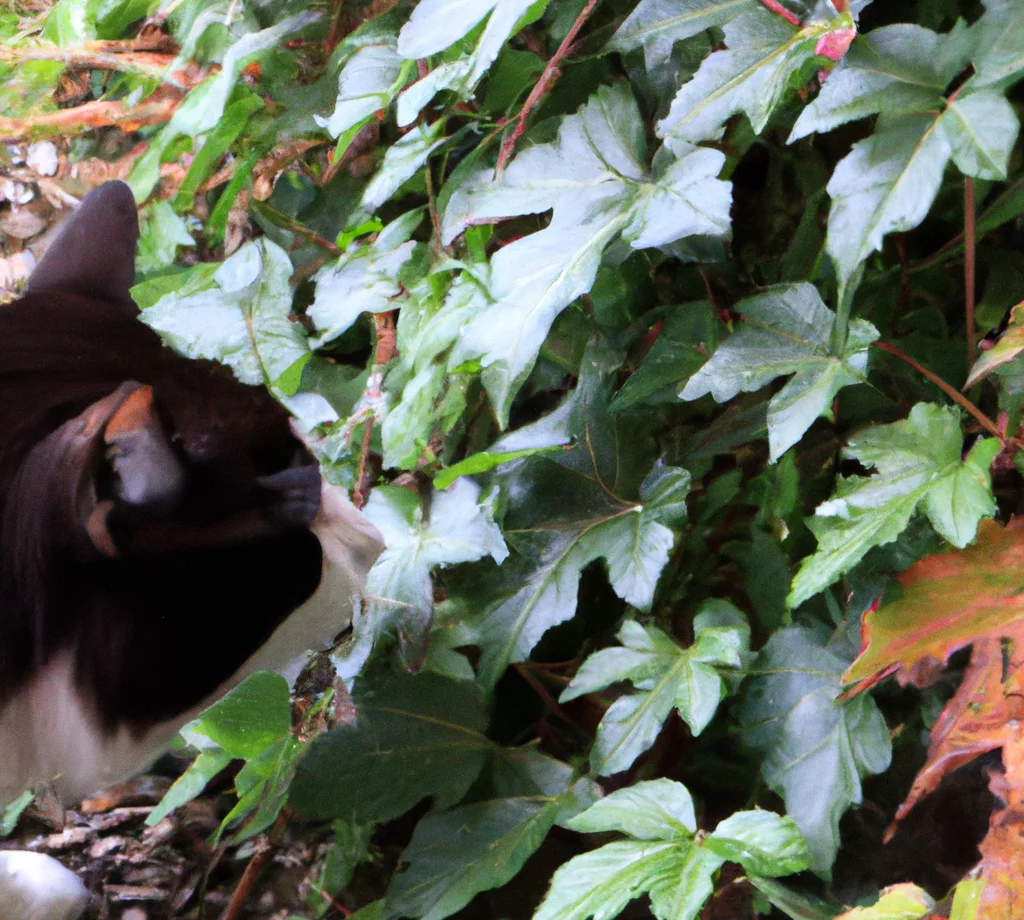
(969, 263)
(779, 10)
(542, 86)
(957, 397)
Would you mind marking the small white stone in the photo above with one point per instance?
(42, 158)
(34, 886)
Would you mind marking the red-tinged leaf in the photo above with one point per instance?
(1009, 344)
(950, 600)
(1000, 850)
(977, 718)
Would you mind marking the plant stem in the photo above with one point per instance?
(542, 86)
(779, 10)
(957, 397)
(969, 263)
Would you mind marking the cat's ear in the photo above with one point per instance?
(94, 253)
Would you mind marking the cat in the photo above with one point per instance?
(163, 534)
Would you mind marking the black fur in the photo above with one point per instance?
(212, 553)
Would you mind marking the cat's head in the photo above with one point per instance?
(157, 517)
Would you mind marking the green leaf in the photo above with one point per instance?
(369, 81)
(483, 462)
(894, 70)
(250, 718)
(436, 25)
(401, 162)
(456, 854)
(12, 812)
(238, 316)
(601, 883)
(795, 904)
(363, 280)
(981, 128)
(815, 748)
(765, 56)
(656, 25)
(460, 529)
(999, 37)
(659, 809)
(596, 179)
(919, 466)
(414, 737)
(667, 677)
(569, 512)
(899, 902)
(161, 232)
(886, 184)
(762, 842)
(786, 330)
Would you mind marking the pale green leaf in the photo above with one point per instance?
(656, 25)
(892, 70)
(762, 842)
(238, 316)
(885, 185)
(981, 129)
(659, 809)
(919, 466)
(753, 76)
(596, 179)
(786, 330)
(816, 749)
(401, 162)
(369, 81)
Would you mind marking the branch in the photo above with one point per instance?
(100, 114)
(147, 64)
(957, 397)
(969, 241)
(547, 78)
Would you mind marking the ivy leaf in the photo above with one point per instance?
(367, 84)
(766, 56)
(663, 859)
(786, 330)
(238, 315)
(401, 162)
(919, 465)
(659, 809)
(363, 280)
(587, 503)
(762, 842)
(656, 25)
(999, 35)
(815, 748)
(460, 528)
(455, 854)
(596, 179)
(885, 185)
(981, 128)
(436, 25)
(413, 737)
(894, 70)
(161, 233)
(601, 883)
(667, 677)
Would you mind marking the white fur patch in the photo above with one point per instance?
(47, 734)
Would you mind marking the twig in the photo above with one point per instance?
(957, 397)
(264, 848)
(969, 243)
(147, 64)
(384, 325)
(91, 115)
(779, 10)
(284, 221)
(542, 86)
